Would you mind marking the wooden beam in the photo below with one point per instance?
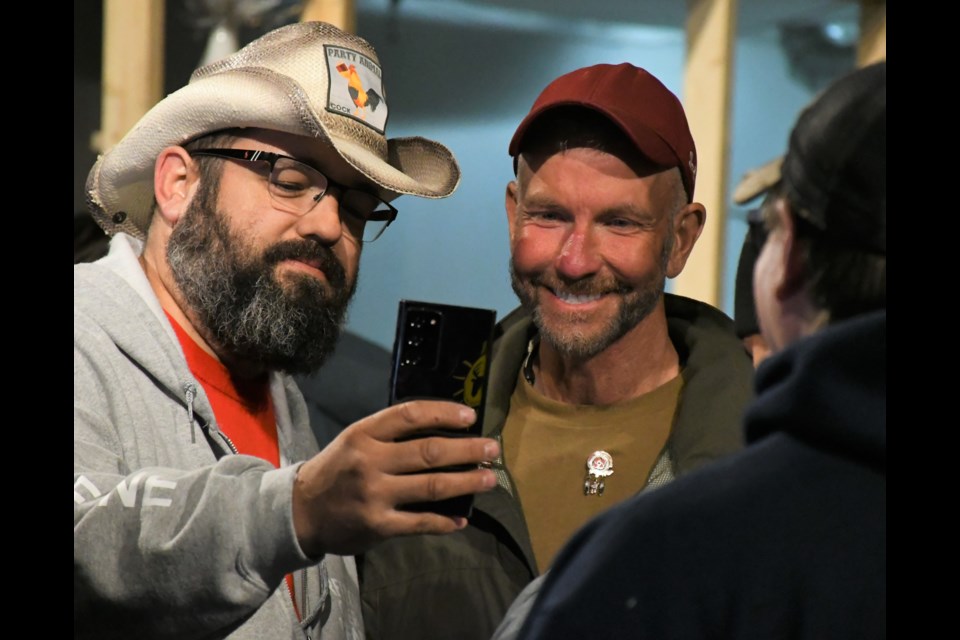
(339, 13)
(711, 27)
(872, 46)
(133, 54)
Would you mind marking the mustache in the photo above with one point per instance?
(582, 287)
(326, 260)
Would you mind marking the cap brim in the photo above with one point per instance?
(758, 181)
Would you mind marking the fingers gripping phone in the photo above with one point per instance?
(441, 352)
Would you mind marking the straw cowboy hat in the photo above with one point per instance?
(307, 78)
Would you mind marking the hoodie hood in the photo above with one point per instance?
(828, 390)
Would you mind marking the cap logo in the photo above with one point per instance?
(692, 165)
(356, 87)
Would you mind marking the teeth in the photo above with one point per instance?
(571, 299)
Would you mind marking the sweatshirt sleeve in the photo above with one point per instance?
(165, 552)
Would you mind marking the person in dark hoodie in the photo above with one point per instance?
(787, 538)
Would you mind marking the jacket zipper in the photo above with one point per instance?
(190, 392)
(303, 595)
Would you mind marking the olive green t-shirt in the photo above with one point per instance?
(547, 444)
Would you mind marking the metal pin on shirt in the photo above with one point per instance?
(599, 466)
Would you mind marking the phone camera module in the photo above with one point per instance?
(421, 342)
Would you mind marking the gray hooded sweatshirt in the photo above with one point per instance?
(175, 535)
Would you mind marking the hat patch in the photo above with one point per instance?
(356, 87)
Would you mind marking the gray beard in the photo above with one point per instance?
(636, 304)
(246, 311)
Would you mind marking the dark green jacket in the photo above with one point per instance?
(459, 586)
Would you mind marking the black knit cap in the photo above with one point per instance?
(835, 169)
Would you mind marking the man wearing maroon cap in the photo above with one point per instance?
(787, 537)
(601, 385)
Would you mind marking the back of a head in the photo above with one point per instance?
(834, 178)
(836, 166)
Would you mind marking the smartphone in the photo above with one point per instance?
(441, 352)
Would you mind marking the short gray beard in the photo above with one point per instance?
(636, 305)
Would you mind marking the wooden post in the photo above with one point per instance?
(872, 46)
(339, 13)
(711, 26)
(132, 66)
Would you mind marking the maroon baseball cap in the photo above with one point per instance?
(633, 99)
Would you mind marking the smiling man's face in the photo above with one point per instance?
(590, 237)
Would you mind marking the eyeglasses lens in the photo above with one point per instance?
(297, 188)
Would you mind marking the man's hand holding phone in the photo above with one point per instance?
(441, 352)
(349, 496)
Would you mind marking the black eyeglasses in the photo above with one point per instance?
(296, 187)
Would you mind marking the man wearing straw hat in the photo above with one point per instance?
(238, 207)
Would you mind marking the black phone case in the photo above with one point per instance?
(440, 352)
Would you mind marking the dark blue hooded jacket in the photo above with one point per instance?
(786, 539)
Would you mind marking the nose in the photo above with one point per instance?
(323, 221)
(579, 256)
